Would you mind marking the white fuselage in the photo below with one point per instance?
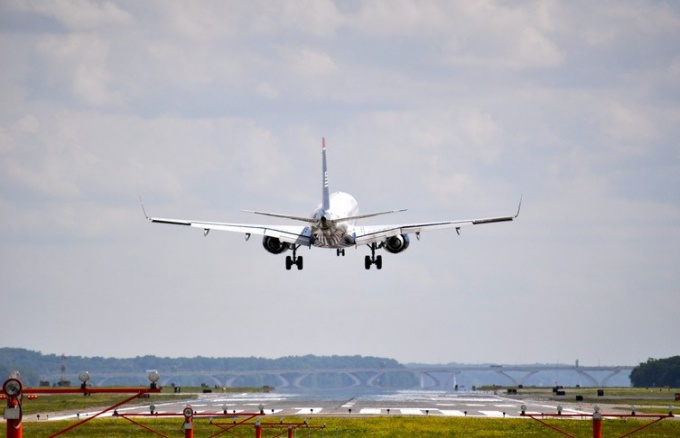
(330, 230)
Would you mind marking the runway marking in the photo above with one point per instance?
(411, 411)
(371, 411)
(305, 411)
(452, 413)
(492, 413)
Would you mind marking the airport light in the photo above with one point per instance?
(224, 409)
(670, 410)
(633, 409)
(84, 377)
(524, 409)
(12, 387)
(261, 408)
(152, 408)
(596, 408)
(188, 412)
(559, 409)
(153, 377)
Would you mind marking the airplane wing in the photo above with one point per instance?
(377, 233)
(294, 234)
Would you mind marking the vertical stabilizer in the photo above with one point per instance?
(326, 203)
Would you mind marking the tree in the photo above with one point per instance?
(657, 372)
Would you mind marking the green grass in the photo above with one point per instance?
(373, 427)
(646, 400)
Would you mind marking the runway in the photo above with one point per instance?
(404, 403)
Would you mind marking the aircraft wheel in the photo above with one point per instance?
(299, 263)
(367, 262)
(289, 263)
(378, 262)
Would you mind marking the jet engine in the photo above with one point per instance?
(396, 244)
(274, 245)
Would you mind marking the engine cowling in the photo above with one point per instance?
(274, 245)
(396, 244)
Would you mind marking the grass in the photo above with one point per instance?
(373, 427)
(648, 401)
(652, 400)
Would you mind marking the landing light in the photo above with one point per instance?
(153, 376)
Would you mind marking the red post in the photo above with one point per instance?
(597, 425)
(14, 428)
(188, 425)
(258, 429)
(290, 431)
(12, 389)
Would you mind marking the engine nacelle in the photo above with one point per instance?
(274, 245)
(396, 244)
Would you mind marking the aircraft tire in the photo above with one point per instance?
(378, 262)
(289, 263)
(367, 262)
(299, 263)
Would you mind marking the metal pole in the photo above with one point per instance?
(597, 425)
(258, 431)
(188, 428)
(13, 388)
(15, 429)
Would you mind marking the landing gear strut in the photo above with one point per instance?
(372, 259)
(295, 260)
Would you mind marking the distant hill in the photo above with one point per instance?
(34, 365)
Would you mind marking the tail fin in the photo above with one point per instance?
(326, 203)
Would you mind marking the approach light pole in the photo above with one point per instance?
(13, 413)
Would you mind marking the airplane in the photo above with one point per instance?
(332, 225)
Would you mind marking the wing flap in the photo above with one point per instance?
(294, 234)
(377, 233)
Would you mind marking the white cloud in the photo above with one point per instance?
(81, 15)
(449, 109)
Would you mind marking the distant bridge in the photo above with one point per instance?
(433, 378)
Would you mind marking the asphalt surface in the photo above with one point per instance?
(404, 403)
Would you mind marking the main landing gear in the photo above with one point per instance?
(372, 259)
(295, 260)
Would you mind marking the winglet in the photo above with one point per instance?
(143, 209)
(519, 206)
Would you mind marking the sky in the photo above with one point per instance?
(453, 110)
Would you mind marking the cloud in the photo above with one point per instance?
(452, 110)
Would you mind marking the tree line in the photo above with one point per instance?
(657, 373)
(33, 365)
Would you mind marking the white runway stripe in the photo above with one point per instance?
(452, 413)
(492, 413)
(411, 411)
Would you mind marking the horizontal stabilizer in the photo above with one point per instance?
(284, 216)
(363, 216)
